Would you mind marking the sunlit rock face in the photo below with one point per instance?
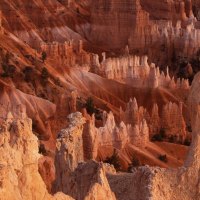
(73, 177)
(87, 182)
(20, 178)
(182, 176)
(70, 146)
(137, 72)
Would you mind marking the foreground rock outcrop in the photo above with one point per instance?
(74, 177)
(19, 176)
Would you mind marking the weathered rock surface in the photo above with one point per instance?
(69, 151)
(168, 10)
(88, 182)
(80, 180)
(20, 178)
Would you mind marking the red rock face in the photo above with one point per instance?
(118, 19)
(167, 10)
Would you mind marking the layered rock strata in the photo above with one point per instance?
(118, 19)
(168, 10)
(135, 27)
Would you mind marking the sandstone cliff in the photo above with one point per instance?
(20, 178)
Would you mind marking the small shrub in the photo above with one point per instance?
(114, 160)
(58, 82)
(8, 70)
(28, 73)
(98, 114)
(163, 158)
(159, 136)
(44, 56)
(42, 149)
(89, 105)
(162, 133)
(189, 128)
(172, 139)
(187, 142)
(6, 58)
(45, 74)
(135, 162)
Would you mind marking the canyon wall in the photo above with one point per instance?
(113, 135)
(118, 19)
(157, 183)
(40, 21)
(92, 180)
(117, 24)
(108, 26)
(168, 10)
(136, 127)
(69, 151)
(170, 33)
